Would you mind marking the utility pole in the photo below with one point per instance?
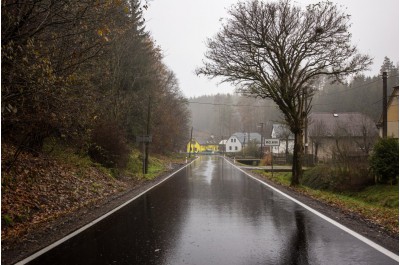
(262, 129)
(305, 128)
(190, 142)
(244, 142)
(146, 168)
(384, 106)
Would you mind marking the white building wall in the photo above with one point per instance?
(282, 147)
(233, 145)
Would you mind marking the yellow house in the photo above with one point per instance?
(392, 115)
(193, 147)
(201, 146)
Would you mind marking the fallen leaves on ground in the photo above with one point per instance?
(39, 189)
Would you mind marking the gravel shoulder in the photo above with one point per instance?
(355, 222)
(18, 249)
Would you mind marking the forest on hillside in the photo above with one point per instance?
(362, 94)
(87, 74)
(224, 114)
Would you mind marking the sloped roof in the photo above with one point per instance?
(281, 131)
(253, 137)
(339, 124)
(222, 142)
(206, 140)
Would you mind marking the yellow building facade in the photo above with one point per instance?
(393, 114)
(197, 147)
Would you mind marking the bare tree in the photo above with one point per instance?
(365, 134)
(276, 50)
(284, 133)
(317, 133)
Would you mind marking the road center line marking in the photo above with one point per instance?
(326, 218)
(71, 235)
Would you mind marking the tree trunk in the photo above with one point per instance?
(316, 153)
(297, 158)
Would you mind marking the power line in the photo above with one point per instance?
(230, 105)
(274, 106)
(352, 88)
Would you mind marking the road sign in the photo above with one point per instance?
(143, 139)
(271, 142)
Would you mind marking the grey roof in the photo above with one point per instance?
(325, 124)
(253, 137)
(206, 140)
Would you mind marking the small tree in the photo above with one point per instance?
(317, 134)
(384, 160)
(284, 133)
(277, 50)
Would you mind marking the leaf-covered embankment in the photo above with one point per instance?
(39, 189)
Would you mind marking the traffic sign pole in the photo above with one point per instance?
(272, 142)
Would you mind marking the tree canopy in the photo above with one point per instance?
(76, 69)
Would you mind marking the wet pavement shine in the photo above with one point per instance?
(212, 213)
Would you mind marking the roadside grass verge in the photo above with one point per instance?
(378, 203)
(68, 155)
(155, 167)
(133, 169)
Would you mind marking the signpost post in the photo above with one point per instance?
(272, 142)
(144, 139)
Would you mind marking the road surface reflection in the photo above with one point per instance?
(211, 213)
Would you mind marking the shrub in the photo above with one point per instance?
(109, 146)
(338, 177)
(384, 161)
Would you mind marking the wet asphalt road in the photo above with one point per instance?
(211, 213)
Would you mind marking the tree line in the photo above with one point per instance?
(86, 73)
(224, 114)
(362, 94)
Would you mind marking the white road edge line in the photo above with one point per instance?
(344, 228)
(62, 240)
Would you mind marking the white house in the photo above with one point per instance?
(222, 145)
(245, 138)
(239, 140)
(233, 144)
(286, 137)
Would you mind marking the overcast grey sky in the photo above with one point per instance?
(181, 28)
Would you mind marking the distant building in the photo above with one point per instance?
(350, 133)
(240, 140)
(233, 144)
(201, 145)
(222, 146)
(286, 137)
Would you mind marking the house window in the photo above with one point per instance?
(230, 147)
(231, 140)
(234, 140)
(236, 148)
